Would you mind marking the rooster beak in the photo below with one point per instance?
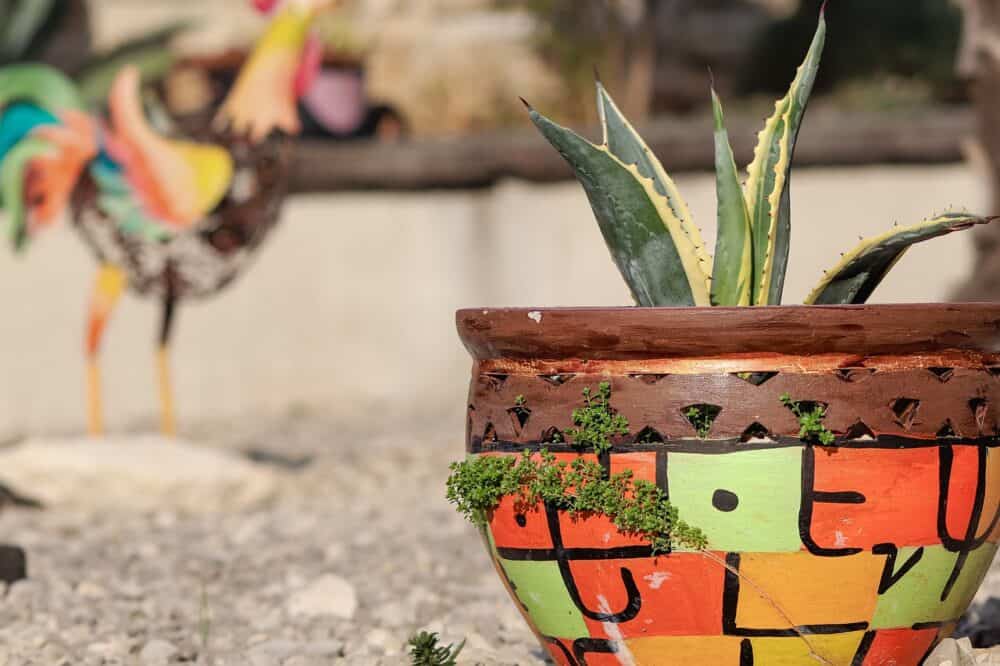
(310, 65)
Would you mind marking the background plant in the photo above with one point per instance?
(650, 231)
(38, 29)
(916, 40)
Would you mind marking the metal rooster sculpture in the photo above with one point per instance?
(168, 217)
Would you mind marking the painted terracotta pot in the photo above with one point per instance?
(862, 553)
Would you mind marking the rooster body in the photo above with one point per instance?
(170, 217)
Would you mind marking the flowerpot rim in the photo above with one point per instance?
(633, 333)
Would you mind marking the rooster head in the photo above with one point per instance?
(281, 69)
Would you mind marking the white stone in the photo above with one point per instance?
(89, 590)
(135, 474)
(328, 595)
(961, 653)
(157, 652)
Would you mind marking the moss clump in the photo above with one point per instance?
(810, 416)
(596, 422)
(636, 507)
(425, 651)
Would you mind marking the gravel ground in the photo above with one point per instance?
(357, 552)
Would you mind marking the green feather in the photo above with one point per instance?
(41, 85)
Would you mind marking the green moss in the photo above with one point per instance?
(596, 422)
(810, 416)
(425, 651)
(636, 507)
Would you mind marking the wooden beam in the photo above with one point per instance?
(931, 135)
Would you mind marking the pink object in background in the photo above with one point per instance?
(264, 6)
(337, 100)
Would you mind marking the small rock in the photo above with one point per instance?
(23, 592)
(144, 475)
(328, 648)
(378, 638)
(157, 652)
(328, 595)
(395, 615)
(13, 564)
(108, 650)
(263, 660)
(961, 653)
(306, 661)
(334, 552)
(276, 650)
(89, 590)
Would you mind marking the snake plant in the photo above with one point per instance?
(658, 249)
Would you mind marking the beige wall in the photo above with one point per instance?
(348, 312)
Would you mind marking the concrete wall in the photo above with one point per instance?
(348, 312)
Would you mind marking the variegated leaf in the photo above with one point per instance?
(767, 188)
(733, 271)
(860, 271)
(657, 258)
(625, 143)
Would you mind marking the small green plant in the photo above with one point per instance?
(520, 401)
(580, 487)
(596, 422)
(702, 417)
(425, 651)
(657, 247)
(810, 416)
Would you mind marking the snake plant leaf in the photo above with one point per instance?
(733, 271)
(625, 143)
(767, 188)
(860, 271)
(655, 255)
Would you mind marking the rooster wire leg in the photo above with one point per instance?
(168, 419)
(107, 291)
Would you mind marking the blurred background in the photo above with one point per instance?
(419, 187)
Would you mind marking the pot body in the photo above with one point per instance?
(862, 553)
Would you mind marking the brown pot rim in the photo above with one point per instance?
(627, 333)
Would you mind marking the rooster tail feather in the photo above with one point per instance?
(46, 139)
